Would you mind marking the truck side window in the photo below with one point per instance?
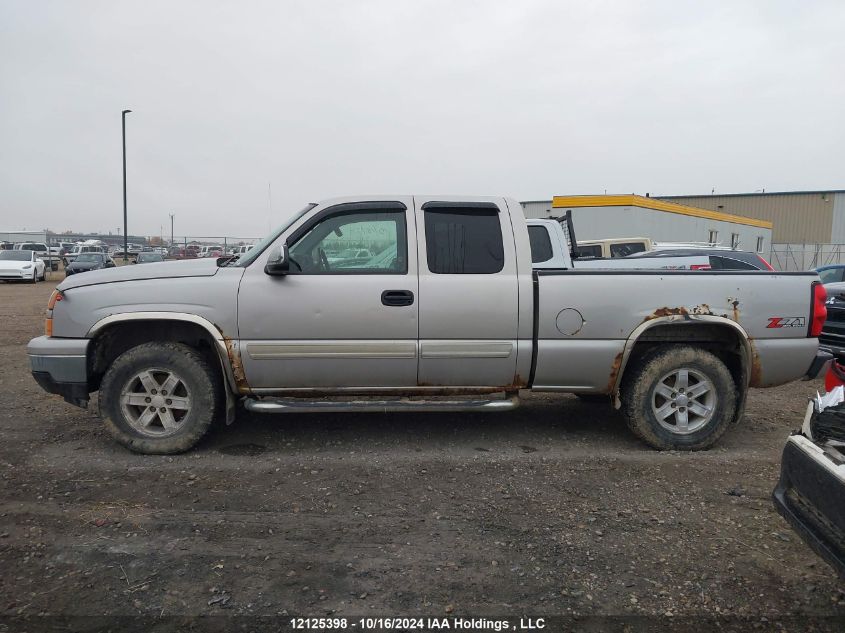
(589, 251)
(365, 242)
(623, 249)
(541, 245)
(464, 241)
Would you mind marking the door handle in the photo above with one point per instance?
(394, 298)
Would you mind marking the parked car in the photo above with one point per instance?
(719, 259)
(210, 251)
(81, 249)
(22, 265)
(147, 258)
(456, 316)
(810, 494)
(833, 332)
(350, 257)
(42, 252)
(240, 250)
(180, 252)
(832, 273)
(89, 261)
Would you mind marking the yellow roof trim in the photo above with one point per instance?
(559, 202)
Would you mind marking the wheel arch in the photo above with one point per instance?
(140, 327)
(727, 338)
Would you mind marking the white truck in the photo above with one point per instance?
(448, 315)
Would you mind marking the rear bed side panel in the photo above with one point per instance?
(600, 309)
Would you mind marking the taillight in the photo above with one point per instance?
(699, 267)
(56, 296)
(48, 322)
(765, 263)
(818, 311)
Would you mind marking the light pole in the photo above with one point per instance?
(172, 215)
(125, 232)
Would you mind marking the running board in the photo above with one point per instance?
(297, 405)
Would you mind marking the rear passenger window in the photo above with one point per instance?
(541, 245)
(464, 240)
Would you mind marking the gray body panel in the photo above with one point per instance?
(614, 306)
(63, 358)
(211, 297)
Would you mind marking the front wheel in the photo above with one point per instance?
(159, 398)
(679, 397)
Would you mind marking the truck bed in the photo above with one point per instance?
(583, 319)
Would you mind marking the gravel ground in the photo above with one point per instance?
(551, 510)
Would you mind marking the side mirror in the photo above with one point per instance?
(279, 263)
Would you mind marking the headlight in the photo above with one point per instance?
(27, 267)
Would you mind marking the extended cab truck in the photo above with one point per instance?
(445, 315)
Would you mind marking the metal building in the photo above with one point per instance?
(601, 217)
(799, 217)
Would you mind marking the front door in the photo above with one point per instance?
(347, 314)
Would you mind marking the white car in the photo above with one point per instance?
(21, 265)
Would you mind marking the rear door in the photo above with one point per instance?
(468, 293)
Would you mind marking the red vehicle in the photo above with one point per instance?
(180, 252)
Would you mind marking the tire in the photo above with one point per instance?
(655, 382)
(44, 275)
(34, 277)
(126, 390)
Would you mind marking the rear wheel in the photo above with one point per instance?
(159, 398)
(679, 397)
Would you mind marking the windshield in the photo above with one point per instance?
(89, 257)
(16, 256)
(247, 258)
(150, 257)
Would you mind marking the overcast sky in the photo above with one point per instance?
(522, 98)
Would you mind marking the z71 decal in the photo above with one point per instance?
(777, 322)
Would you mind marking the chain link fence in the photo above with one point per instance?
(799, 257)
(189, 246)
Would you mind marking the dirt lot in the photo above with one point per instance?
(554, 509)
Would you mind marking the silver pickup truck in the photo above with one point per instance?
(446, 314)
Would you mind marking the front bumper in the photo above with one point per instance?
(60, 365)
(811, 497)
(13, 275)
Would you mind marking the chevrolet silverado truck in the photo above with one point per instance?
(446, 315)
